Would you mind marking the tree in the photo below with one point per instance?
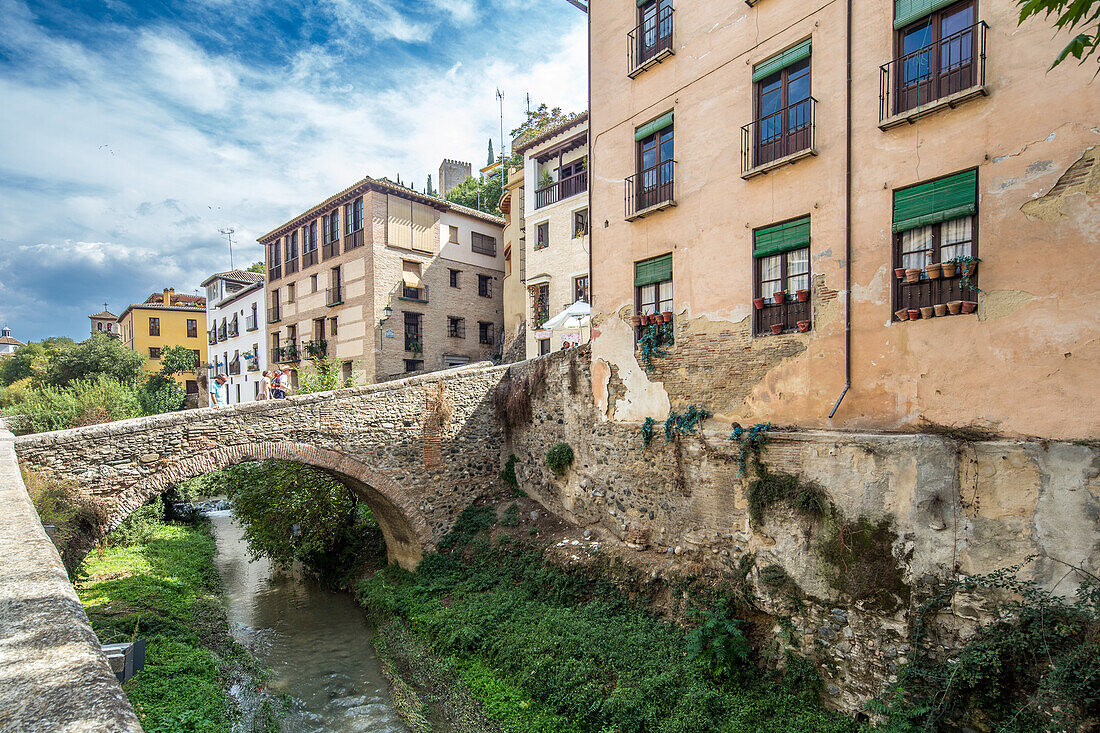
(161, 392)
(482, 194)
(428, 189)
(540, 120)
(99, 354)
(1071, 15)
(256, 267)
(492, 158)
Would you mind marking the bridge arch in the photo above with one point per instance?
(403, 525)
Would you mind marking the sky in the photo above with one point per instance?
(132, 131)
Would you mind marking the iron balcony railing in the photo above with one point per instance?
(419, 295)
(221, 332)
(785, 132)
(944, 67)
(316, 348)
(212, 336)
(309, 257)
(650, 188)
(235, 367)
(291, 265)
(273, 315)
(334, 295)
(287, 352)
(651, 40)
(250, 323)
(560, 190)
(234, 329)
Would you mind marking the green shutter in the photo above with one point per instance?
(651, 127)
(782, 238)
(908, 11)
(655, 270)
(936, 201)
(781, 61)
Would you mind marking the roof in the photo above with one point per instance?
(383, 185)
(240, 276)
(178, 297)
(240, 294)
(523, 145)
(10, 341)
(198, 308)
(104, 315)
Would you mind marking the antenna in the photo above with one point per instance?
(581, 5)
(500, 98)
(228, 233)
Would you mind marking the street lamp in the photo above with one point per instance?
(386, 313)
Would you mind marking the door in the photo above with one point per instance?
(937, 56)
(655, 157)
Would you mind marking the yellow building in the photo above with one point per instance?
(163, 320)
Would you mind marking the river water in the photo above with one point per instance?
(316, 642)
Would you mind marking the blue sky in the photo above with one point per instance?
(132, 131)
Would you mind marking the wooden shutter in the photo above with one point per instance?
(651, 271)
(400, 225)
(909, 11)
(781, 237)
(936, 201)
(423, 228)
(781, 61)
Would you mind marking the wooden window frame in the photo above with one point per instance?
(154, 326)
(453, 275)
(485, 286)
(540, 242)
(452, 234)
(479, 244)
(936, 75)
(192, 328)
(648, 195)
(791, 310)
(154, 352)
(788, 142)
(928, 292)
(456, 327)
(578, 290)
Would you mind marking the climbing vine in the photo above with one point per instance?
(654, 337)
(647, 431)
(750, 441)
(677, 425)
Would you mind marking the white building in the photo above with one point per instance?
(8, 345)
(235, 331)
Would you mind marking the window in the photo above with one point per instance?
(935, 222)
(336, 289)
(456, 327)
(412, 333)
(192, 328)
(154, 352)
(652, 184)
(653, 36)
(540, 308)
(353, 214)
(454, 277)
(653, 285)
(455, 360)
(274, 260)
(485, 286)
(936, 52)
(413, 365)
(290, 289)
(483, 244)
(544, 347)
(345, 373)
(580, 223)
(318, 329)
(330, 225)
(452, 234)
(313, 283)
(542, 235)
(485, 333)
(412, 287)
(292, 246)
(198, 356)
(192, 387)
(332, 327)
(783, 105)
(580, 289)
(781, 263)
(309, 245)
(154, 327)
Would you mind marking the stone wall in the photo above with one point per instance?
(940, 506)
(53, 676)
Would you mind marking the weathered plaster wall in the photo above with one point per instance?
(53, 677)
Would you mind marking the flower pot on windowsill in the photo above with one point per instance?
(912, 275)
(803, 326)
(644, 319)
(802, 295)
(657, 318)
(902, 315)
(966, 269)
(899, 273)
(780, 296)
(969, 306)
(926, 311)
(777, 328)
(954, 307)
(949, 269)
(759, 303)
(934, 271)
(940, 309)
(914, 314)
(667, 315)
(635, 321)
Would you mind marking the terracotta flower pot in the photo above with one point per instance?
(914, 314)
(667, 315)
(934, 271)
(940, 309)
(949, 269)
(780, 296)
(803, 326)
(912, 275)
(966, 269)
(802, 295)
(644, 319)
(759, 303)
(954, 307)
(660, 317)
(899, 273)
(777, 328)
(927, 311)
(969, 306)
(902, 315)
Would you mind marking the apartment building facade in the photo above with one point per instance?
(236, 332)
(814, 236)
(384, 281)
(515, 257)
(166, 319)
(557, 238)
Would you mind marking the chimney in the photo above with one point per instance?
(167, 299)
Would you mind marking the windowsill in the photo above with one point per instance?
(778, 163)
(333, 305)
(785, 332)
(254, 328)
(651, 62)
(952, 101)
(651, 210)
(412, 300)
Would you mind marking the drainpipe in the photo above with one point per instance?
(591, 177)
(847, 213)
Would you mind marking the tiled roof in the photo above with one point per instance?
(521, 145)
(195, 308)
(178, 297)
(240, 276)
(10, 340)
(103, 314)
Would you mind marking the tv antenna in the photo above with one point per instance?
(500, 98)
(228, 234)
(582, 5)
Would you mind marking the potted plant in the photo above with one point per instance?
(940, 309)
(954, 307)
(780, 296)
(899, 273)
(967, 267)
(949, 268)
(546, 180)
(934, 270)
(926, 311)
(635, 321)
(969, 306)
(759, 303)
(667, 316)
(644, 319)
(914, 314)
(803, 326)
(912, 274)
(902, 315)
(802, 295)
(777, 328)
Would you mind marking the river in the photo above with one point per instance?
(316, 642)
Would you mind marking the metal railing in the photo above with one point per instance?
(651, 187)
(650, 40)
(250, 323)
(235, 367)
(316, 348)
(353, 240)
(334, 295)
(286, 352)
(274, 273)
(291, 265)
(560, 190)
(234, 329)
(785, 132)
(221, 332)
(273, 315)
(212, 336)
(950, 65)
(419, 295)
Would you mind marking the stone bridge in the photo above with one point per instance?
(417, 450)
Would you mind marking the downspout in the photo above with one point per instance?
(847, 213)
(591, 174)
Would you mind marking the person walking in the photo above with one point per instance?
(280, 386)
(265, 385)
(218, 397)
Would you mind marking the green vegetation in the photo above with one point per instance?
(325, 376)
(750, 443)
(1070, 14)
(559, 458)
(508, 473)
(769, 488)
(652, 341)
(647, 431)
(546, 650)
(75, 519)
(677, 425)
(164, 589)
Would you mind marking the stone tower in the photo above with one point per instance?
(452, 173)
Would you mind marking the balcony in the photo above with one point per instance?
(334, 296)
(212, 336)
(285, 353)
(650, 43)
(780, 138)
(940, 75)
(275, 272)
(250, 323)
(561, 190)
(416, 295)
(309, 258)
(222, 332)
(650, 190)
(291, 265)
(235, 367)
(233, 329)
(273, 315)
(330, 249)
(317, 348)
(252, 358)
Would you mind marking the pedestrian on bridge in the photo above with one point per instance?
(265, 386)
(219, 397)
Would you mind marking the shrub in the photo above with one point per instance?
(508, 473)
(719, 644)
(76, 518)
(81, 402)
(559, 458)
(511, 516)
(783, 488)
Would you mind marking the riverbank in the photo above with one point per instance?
(158, 582)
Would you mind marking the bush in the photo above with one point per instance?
(559, 458)
(719, 644)
(140, 526)
(82, 402)
(76, 518)
(508, 473)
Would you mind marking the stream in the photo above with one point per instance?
(317, 642)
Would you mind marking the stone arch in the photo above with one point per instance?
(403, 525)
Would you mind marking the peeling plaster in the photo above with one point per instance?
(877, 290)
(994, 304)
(642, 397)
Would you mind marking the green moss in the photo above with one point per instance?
(769, 489)
(860, 563)
(508, 473)
(778, 580)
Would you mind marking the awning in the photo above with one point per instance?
(411, 280)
